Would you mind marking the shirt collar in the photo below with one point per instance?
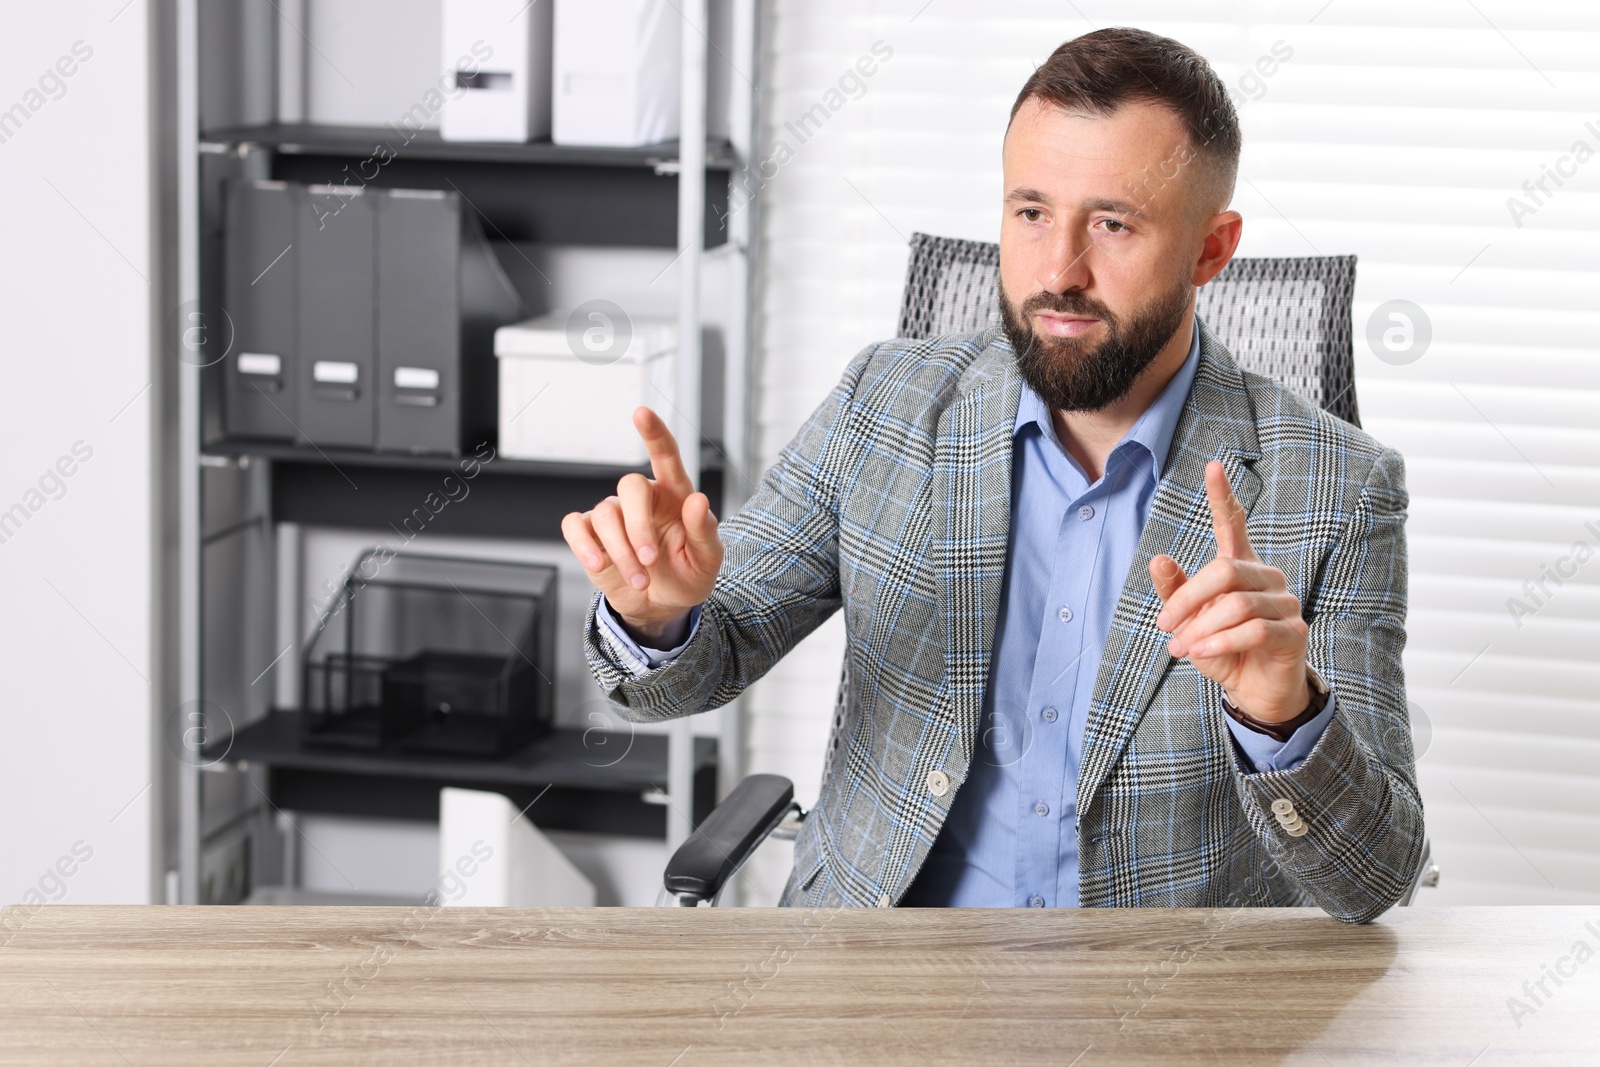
(1153, 430)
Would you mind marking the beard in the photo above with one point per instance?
(1071, 374)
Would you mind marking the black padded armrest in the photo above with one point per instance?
(729, 834)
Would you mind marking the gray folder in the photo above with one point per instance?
(441, 294)
(337, 295)
(259, 267)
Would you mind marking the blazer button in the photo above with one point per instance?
(938, 783)
(1288, 818)
(883, 901)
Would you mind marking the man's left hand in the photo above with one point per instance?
(1235, 618)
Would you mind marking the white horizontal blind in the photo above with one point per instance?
(1396, 132)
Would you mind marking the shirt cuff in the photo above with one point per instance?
(645, 658)
(1266, 754)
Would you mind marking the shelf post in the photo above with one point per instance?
(188, 768)
(691, 245)
(737, 443)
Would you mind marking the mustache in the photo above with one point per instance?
(1071, 302)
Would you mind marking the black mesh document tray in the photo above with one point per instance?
(433, 654)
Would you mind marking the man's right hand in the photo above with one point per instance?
(653, 548)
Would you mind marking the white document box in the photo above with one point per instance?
(569, 382)
(499, 51)
(617, 65)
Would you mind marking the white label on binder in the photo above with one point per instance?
(260, 363)
(325, 370)
(415, 378)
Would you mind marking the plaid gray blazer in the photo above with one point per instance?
(893, 502)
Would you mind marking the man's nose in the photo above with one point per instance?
(1066, 263)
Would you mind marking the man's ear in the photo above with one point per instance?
(1220, 243)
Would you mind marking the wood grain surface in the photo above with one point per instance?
(277, 987)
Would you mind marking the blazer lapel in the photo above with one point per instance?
(972, 484)
(1217, 423)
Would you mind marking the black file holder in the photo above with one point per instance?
(363, 318)
(260, 300)
(433, 654)
(337, 302)
(441, 295)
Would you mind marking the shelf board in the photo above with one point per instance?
(710, 459)
(390, 493)
(284, 452)
(583, 779)
(539, 192)
(318, 140)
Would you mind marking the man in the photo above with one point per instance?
(1124, 622)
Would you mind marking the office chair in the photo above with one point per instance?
(1288, 319)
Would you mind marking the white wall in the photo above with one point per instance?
(76, 254)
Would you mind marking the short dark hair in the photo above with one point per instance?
(1101, 71)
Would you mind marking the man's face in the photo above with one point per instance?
(1102, 227)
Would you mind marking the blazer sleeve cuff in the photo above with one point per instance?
(1331, 824)
(628, 652)
(681, 685)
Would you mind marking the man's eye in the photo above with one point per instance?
(1032, 214)
(1114, 225)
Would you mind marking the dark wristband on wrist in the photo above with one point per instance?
(1282, 731)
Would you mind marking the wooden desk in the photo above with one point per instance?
(670, 988)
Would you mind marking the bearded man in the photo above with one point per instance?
(1124, 621)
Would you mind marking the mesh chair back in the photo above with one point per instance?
(952, 286)
(1287, 319)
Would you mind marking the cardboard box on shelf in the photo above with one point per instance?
(569, 382)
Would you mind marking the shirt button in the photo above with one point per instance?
(1041, 808)
(938, 783)
(1036, 901)
(1086, 513)
(1065, 614)
(883, 901)
(1049, 714)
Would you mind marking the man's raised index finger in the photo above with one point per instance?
(665, 461)
(1227, 515)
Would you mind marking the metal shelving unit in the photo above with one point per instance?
(233, 495)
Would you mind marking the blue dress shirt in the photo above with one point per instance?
(1010, 839)
(1011, 836)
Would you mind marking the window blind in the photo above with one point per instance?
(1454, 148)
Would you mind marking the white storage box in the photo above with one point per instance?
(569, 382)
(499, 53)
(617, 66)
